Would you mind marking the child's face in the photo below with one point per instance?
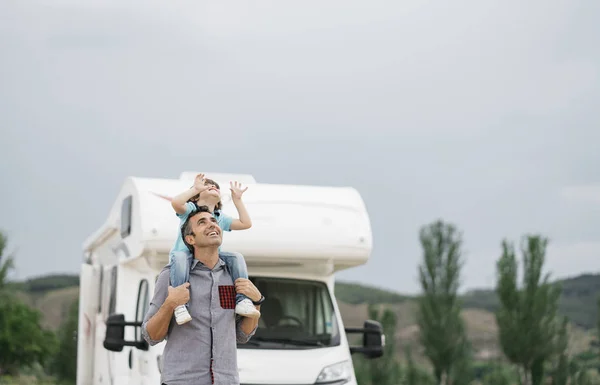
(212, 192)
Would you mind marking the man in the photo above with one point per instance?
(203, 351)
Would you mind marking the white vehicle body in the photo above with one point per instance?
(301, 236)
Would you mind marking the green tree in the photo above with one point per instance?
(582, 377)
(23, 342)
(498, 376)
(413, 374)
(442, 330)
(386, 370)
(361, 370)
(561, 371)
(6, 262)
(64, 364)
(383, 370)
(462, 372)
(527, 316)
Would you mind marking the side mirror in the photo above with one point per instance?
(373, 339)
(115, 334)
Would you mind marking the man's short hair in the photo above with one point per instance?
(186, 228)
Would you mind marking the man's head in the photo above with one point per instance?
(201, 230)
(212, 194)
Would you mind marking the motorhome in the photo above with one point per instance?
(300, 237)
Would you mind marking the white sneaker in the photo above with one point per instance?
(182, 315)
(246, 308)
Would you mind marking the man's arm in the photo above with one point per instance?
(179, 202)
(246, 326)
(160, 312)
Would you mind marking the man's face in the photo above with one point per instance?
(206, 231)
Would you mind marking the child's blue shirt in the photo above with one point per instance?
(223, 220)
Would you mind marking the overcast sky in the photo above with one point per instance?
(477, 112)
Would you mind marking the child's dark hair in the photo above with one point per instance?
(186, 228)
(219, 205)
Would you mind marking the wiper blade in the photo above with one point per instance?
(291, 341)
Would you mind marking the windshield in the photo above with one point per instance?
(296, 314)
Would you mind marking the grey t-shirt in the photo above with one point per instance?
(202, 351)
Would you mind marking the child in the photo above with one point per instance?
(206, 192)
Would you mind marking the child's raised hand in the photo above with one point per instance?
(236, 190)
(199, 183)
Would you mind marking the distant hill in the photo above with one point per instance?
(47, 282)
(51, 294)
(355, 293)
(578, 300)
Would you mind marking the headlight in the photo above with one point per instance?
(335, 374)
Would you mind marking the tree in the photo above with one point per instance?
(23, 342)
(462, 372)
(384, 370)
(561, 371)
(498, 376)
(64, 366)
(6, 262)
(582, 377)
(442, 330)
(414, 374)
(527, 316)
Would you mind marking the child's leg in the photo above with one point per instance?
(180, 262)
(237, 268)
(180, 267)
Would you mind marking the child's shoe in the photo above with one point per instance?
(182, 315)
(246, 308)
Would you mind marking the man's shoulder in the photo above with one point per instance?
(164, 273)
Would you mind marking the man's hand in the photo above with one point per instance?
(248, 324)
(179, 295)
(200, 183)
(236, 190)
(246, 287)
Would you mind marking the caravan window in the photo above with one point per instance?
(297, 314)
(143, 301)
(107, 301)
(126, 216)
(112, 299)
(100, 289)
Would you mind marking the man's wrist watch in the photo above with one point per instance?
(260, 301)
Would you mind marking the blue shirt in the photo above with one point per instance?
(223, 220)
